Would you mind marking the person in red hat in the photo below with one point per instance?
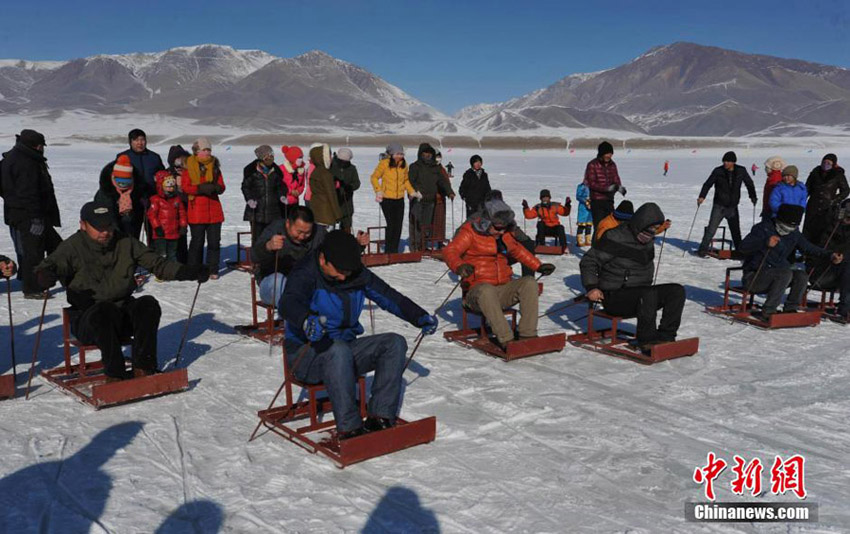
(294, 173)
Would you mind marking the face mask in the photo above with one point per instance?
(645, 237)
(784, 229)
(826, 165)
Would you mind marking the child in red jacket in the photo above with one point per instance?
(167, 217)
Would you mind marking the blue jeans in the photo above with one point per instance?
(339, 366)
(267, 290)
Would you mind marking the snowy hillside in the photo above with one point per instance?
(567, 442)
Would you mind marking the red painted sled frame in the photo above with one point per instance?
(373, 257)
(7, 387)
(742, 312)
(615, 342)
(88, 383)
(268, 331)
(827, 306)
(320, 436)
(551, 250)
(725, 250)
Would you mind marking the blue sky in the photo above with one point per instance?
(447, 53)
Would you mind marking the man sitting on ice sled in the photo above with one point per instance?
(618, 270)
(324, 296)
(549, 224)
(97, 266)
(767, 268)
(825, 274)
(479, 255)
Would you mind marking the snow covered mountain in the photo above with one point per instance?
(685, 89)
(215, 85)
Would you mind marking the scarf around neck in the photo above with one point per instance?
(125, 200)
(197, 174)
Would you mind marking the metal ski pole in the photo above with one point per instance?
(453, 217)
(752, 283)
(421, 335)
(11, 326)
(37, 341)
(186, 328)
(442, 275)
(754, 214)
(372, 316)
(274, 300)
(577, 300)
(660, 252)
(691, 230)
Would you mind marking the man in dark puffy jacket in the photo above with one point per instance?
(97, 266)
(603, 180)
(324, 298)
(726, 180)
(830, 276)
(29, 208)
(767, 268)
(475, 185)
(146, 162)
(826, 187)
(618, 272)
(263, 189)
(427, 178)
(347, 181)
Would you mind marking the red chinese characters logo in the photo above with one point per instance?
(788, 476)
(785, 476)
(747, 476)
(706, 475)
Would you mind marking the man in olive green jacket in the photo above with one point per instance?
(97, 266)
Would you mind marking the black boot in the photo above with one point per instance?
(373, 424)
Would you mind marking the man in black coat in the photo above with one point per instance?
(827, 275)
(474, 186)
(347, 180)
(827, 187)
(427, 178)
(263, 189)
(618, 271)
(29, 208)
(767, 268)
(727, 180)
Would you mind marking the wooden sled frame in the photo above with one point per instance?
(246, 264)
(551, 250)
(320, 436)
(478, 338)
(268, 331)
(615, 342)
(7, 386)
(742, 312)
(827, 306)
(373, 257)
(88, 383)
(725, 250)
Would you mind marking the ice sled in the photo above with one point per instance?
(551, 250)
(302, 423)
(88, 383)
(615, 342)
(7, 386)
(721, 248)
(743, 311)
(268, 331)
(373, 257)
(243, 253)
(826, 306)
(479, 338)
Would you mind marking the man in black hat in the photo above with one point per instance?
(324, 297)
(726, 180)
(29, 208)
(767, 268)
(96, 266)
(603, 180)
(146, 163)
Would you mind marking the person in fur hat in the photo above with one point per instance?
(773, 168)
(479, 253)
(323, 200)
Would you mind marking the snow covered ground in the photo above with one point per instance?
(567, 442)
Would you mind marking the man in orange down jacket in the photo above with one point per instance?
(479, 255)
(549, 224)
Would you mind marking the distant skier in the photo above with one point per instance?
(726, 180)
(754, 169)
(603, 180)
(548, 225)
(666, 167)
(827, 187)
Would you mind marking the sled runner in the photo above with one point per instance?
(88, 383)
(615, 342)
(479, 338)
(243, 254)
(743, 312)
(721, 248)
(7, 386)
(301, 423)
(373, 257)
(270, 330)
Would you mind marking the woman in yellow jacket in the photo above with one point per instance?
(390, 181)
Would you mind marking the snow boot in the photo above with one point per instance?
(374, 424)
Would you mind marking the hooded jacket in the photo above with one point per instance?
(826, 190)
(582, 196)
(787, 194)
(754, 247)
(472, 244)
(347, 181)
(324, 201)
(106, 193)
(619, 260)
(427, 176)
(727, 186)
(264, 188)
(391, 181)
(294, 178)
(167, 213)
(27, 188)
(93, 273)
(309, 292)
(773, 178)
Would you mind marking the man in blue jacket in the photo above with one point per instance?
(145, 162)
(773, 242)
(726, 180)
(788, 191)
(324, 296)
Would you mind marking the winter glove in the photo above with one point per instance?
(199, 273)
(8, 269)
(46, 278)
(206, 189)
(314, 327)
(36, 227)
(219, 189)
(428, 324)
(253, 204)
(612, 188)
(524, 204)
(622, 190)
(183, 230)
(160, 233)
(284, 200)
(546, 269)
(754, 200)
(465, 270)
(417, 195)
(379, 197)
(568, 202)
